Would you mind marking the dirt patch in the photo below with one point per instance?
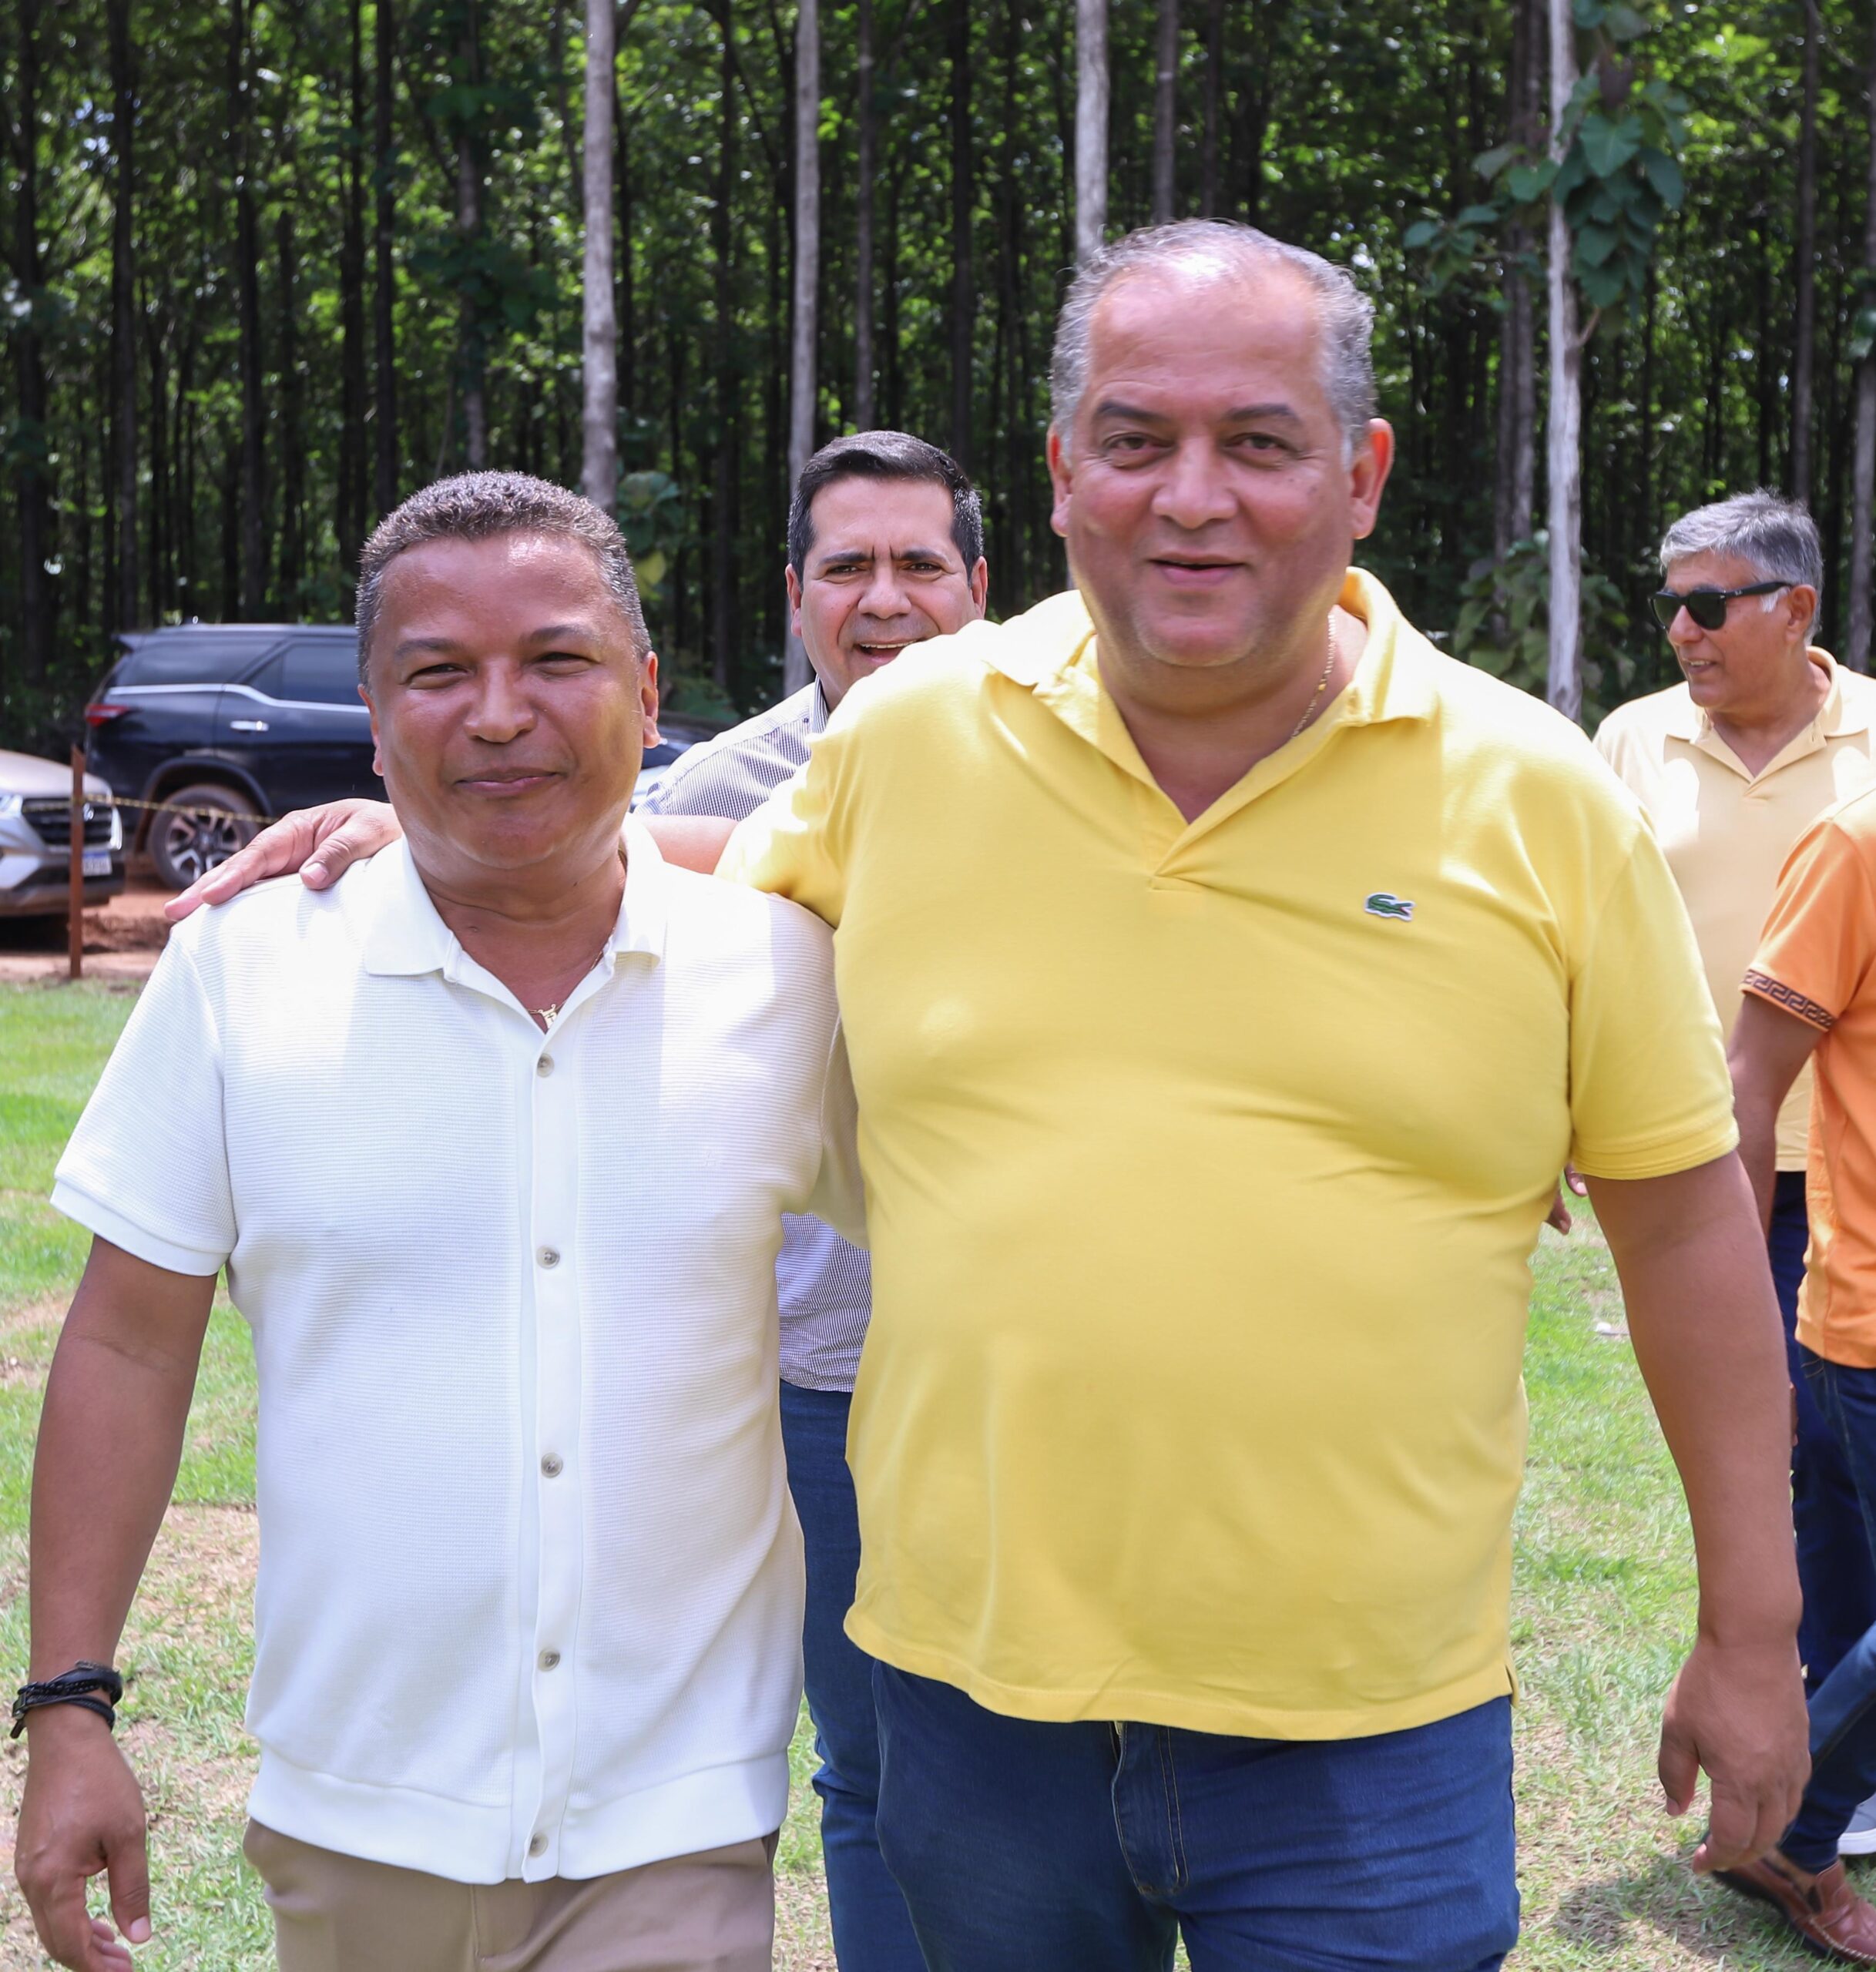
(803, 1941)
(123, 939)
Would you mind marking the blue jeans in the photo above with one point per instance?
(1025, 1847)
(1835, 1570)
(872, 1932)
(1843, 1713)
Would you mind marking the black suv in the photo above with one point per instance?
(218, 726)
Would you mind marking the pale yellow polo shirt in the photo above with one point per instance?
(1726, 833)
(1204, 1162)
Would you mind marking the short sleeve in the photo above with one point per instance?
(793, 844)
(1815, 953)
(1649, 1094)
(840, 1198)
(147, 1167)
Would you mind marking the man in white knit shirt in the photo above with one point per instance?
(494, 1139)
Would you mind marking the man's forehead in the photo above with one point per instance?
(867, 516)
(1712, 569)
(1206, 325)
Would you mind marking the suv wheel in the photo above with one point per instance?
(198, 827)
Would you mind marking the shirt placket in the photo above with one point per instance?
(555, 1450)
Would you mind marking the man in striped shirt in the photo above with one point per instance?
(885, 549)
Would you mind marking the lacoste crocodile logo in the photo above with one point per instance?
(1384, 903)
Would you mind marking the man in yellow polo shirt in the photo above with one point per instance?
(1227, 975)
(1731, 766)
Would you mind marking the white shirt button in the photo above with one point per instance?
(549, 1659)
(538, 1846)
(548, 1256)
(544, 1066)
(553, 1465)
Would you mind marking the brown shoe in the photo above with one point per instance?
(1825, 1911)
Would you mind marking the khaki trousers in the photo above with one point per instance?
(709, 1913)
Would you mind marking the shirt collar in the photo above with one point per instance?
(406, 935)
(817, 713)
(1841, 712)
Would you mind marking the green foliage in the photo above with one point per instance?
(651, 516)
(1503, 627)
(1618, 180)
(1381, 132)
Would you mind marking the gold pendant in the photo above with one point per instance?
(547, 1015)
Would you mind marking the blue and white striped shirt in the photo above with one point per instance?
(825, 1286)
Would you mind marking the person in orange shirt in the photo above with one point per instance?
(1810, 997)
(1764, 733)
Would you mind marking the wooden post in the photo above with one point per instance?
(75, 907)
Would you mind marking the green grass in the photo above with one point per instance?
(1603, 1606)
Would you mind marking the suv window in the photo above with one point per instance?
(182, 658)
(320, 671)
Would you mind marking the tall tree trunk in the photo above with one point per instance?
(1165, 108)
(625, 307)
(384, 290)
(722, 243)
(1214, 107)
(159, 575)
(121, 608)
(802, 375)
(1565, 690)
(252, 491)
(354, 430)
(894, 378)
(1516, 459)
(293, 420)
(1091, 89)
(38, 590)
(599, 402)
(963, 202)
(1863, 463)
(473, 357)
(867, 130)
(1804, 312)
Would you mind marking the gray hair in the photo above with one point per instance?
(478, 506)
(1776, 538)
(1346, 315)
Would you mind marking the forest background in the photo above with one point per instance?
(271, 265)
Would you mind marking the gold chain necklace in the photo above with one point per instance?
(1322, 684)
(548, 1015)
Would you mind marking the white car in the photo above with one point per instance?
(35, 838)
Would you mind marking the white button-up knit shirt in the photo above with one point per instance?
(530, 1592)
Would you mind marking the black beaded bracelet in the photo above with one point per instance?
(81, 1686)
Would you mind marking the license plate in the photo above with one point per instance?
(97, 862)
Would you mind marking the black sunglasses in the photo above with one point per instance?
(1707, 606)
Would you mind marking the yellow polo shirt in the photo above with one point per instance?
(1204, 1162)
(1726, 833)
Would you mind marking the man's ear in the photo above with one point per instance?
(1800, 601)
(980, 585)
(377, 744)
(1367, 475)
(792, 582)
(1060, 477)
(648, 697)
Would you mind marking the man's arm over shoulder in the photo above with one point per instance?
(796, 844)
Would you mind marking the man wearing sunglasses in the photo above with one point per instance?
(1733, 766)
